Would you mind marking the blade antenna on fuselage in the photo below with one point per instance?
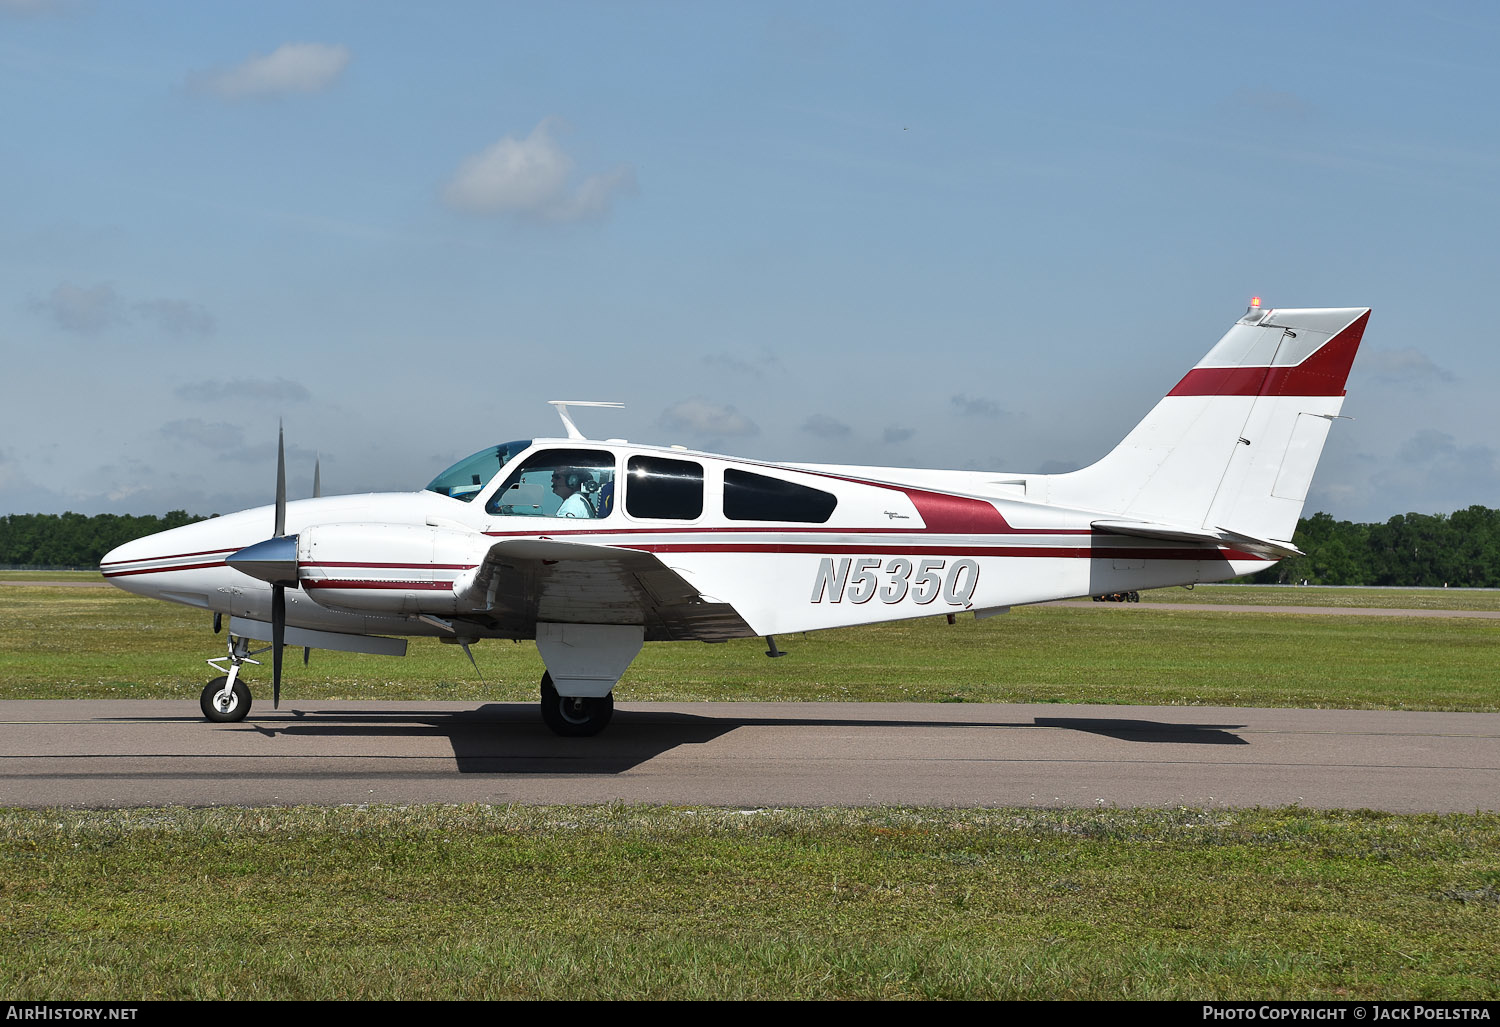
(470, 654)
(562, 411)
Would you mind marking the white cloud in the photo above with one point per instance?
(758, 365)
(1434, 472)
(217, 436)
(277, 390)
(1261, 104)
(977, 406)
(1408, 366)
(86, 310)
(708, 419)
(290, 68)
(90, 310)
(596, 194)
(531, 177)
(825, 427)
(178, 317)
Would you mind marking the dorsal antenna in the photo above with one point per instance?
(562, 411)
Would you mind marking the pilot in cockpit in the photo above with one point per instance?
(573, 485)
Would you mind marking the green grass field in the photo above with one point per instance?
(623, 902)
(1367, 598)
(103, 643)
(431, 902)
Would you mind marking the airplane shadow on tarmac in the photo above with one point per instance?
(509, 738)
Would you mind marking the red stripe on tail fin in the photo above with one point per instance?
(1324, 373)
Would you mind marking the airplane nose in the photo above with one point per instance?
(129, 552)
(157, 561)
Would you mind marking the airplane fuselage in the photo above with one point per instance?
(594, 548)
(378, 563)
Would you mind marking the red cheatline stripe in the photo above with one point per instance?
(1022, 552)
(778, 529)
(1025, 552)
(389, 566)
(410, 586)
(163, 570)
(171, 556)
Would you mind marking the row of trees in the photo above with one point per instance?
(1461, 550)
(73, 540)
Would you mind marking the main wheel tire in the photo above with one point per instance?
(575, 716)
(235, 709)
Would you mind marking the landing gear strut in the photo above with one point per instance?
(575, 716)
(225, 699)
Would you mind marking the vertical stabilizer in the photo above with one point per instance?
(1232, 448)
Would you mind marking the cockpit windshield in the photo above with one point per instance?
(465, 479)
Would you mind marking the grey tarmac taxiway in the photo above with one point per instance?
(108, 753)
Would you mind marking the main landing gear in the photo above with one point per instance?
(575, 716)
(225, 699)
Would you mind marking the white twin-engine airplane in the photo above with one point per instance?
(593, 548)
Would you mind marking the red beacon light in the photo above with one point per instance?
(1254, 302)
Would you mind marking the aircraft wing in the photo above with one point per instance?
(1222, 537)
(525, 581)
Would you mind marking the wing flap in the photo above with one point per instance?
(523, 581)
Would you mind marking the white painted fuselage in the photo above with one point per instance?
(888, 552)
(581, 544)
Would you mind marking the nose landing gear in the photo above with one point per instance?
(225, 703)
(226, 699)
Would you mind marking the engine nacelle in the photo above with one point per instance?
(388, 568)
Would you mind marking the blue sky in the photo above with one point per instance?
(983, 236)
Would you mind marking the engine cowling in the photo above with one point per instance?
(375, 567)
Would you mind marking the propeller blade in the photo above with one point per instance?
(317, 477)
(280, 481)
(278, 639)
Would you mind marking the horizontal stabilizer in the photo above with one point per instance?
(1221, 537)
(1261, 546)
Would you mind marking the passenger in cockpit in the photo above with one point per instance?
(570, 483)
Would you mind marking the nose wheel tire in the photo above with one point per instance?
(572, 716)
(224, 705)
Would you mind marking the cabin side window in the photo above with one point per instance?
(664, 489)
(573, 483)
(758, 497)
